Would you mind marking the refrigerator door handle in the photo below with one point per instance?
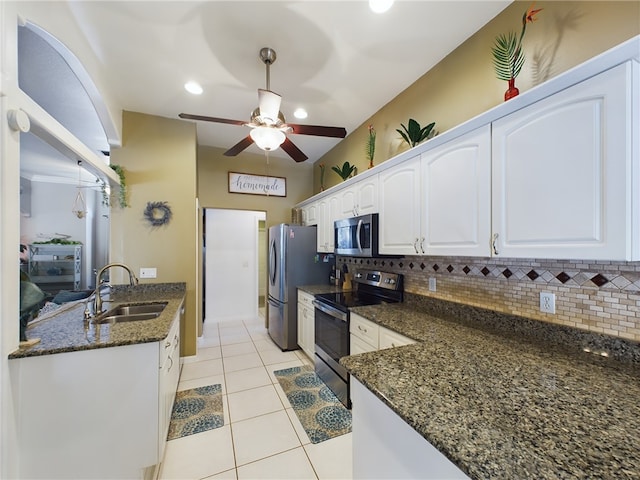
(272, 262)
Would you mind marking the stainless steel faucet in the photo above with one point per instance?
(97, 301)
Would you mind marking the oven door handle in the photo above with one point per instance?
(334, 312)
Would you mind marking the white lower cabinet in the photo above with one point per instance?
(98, 413)
(367, 336)
(306, 323)
(386, 447)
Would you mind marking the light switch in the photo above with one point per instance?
(148, 272)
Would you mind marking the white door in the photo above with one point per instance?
(563, 173)
(400, 209)
(231, 264)
(457, 209)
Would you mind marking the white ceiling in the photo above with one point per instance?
(338, 60)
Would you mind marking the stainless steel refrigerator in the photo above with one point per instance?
(293, 262)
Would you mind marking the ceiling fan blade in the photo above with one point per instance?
(317, 130)
(238, 147)
(269, 104)
(204, 118)
(293, 151)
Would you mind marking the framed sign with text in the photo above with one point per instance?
(257, 184)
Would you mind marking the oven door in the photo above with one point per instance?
(331, 344)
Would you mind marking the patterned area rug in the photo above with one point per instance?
(196, 410)
(320, 412)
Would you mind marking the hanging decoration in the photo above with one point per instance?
(157, 213)
(79, 207)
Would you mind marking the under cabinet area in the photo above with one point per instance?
(96, 413)
(306, 323)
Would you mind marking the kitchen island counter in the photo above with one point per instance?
(509, 398)
(65, 330)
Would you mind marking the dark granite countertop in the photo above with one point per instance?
(508, 397)
(65, 330)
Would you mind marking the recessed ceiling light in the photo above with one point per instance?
(380, 6)
(193, 87)
(300, 113)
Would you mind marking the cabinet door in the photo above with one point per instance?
(323, 219)
(562, 173)
(400, 209)
(310, 214)
(327, 214)
(360, 198)
(457, 195)
(364, 329)
(367, 195)
(348, 202)
(306, 334)
(391, 339)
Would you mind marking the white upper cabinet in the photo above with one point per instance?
(327, 214)
(310, 214)
(566, 173)
(400, 230)
(457, 196)
(360, 198)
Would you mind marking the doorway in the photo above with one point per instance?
(233, 263)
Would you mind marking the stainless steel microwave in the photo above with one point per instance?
(357, 236)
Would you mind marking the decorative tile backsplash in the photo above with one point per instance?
(598, 296)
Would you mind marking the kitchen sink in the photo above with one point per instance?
(131, 313)
(136, 308)
(134, 317)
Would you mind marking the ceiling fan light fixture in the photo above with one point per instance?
(300, 113)
(193, 88)
(267, 138)
(380, 6)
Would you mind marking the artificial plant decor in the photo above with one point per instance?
(508, 56)
(122, 193)
(413, 134)
(345, 171)
(371, 145)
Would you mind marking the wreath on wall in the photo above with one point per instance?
(157, 213)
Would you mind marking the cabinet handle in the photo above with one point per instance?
(167, 344)
(415, 245)
(362, 329)
(493, 243)
(422, 245)
(170, 365)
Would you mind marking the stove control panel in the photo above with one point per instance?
(376, 278)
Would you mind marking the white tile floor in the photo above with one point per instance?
(261, 437)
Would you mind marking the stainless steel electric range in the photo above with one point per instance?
(371, 287)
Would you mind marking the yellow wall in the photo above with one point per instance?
(464, 85)
(213, 183)
(159, 158)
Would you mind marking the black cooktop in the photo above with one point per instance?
(353, 298)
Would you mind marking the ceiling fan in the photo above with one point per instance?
(268, 127)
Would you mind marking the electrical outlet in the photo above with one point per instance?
(148, 272)
(547, 302)
(432, 284)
